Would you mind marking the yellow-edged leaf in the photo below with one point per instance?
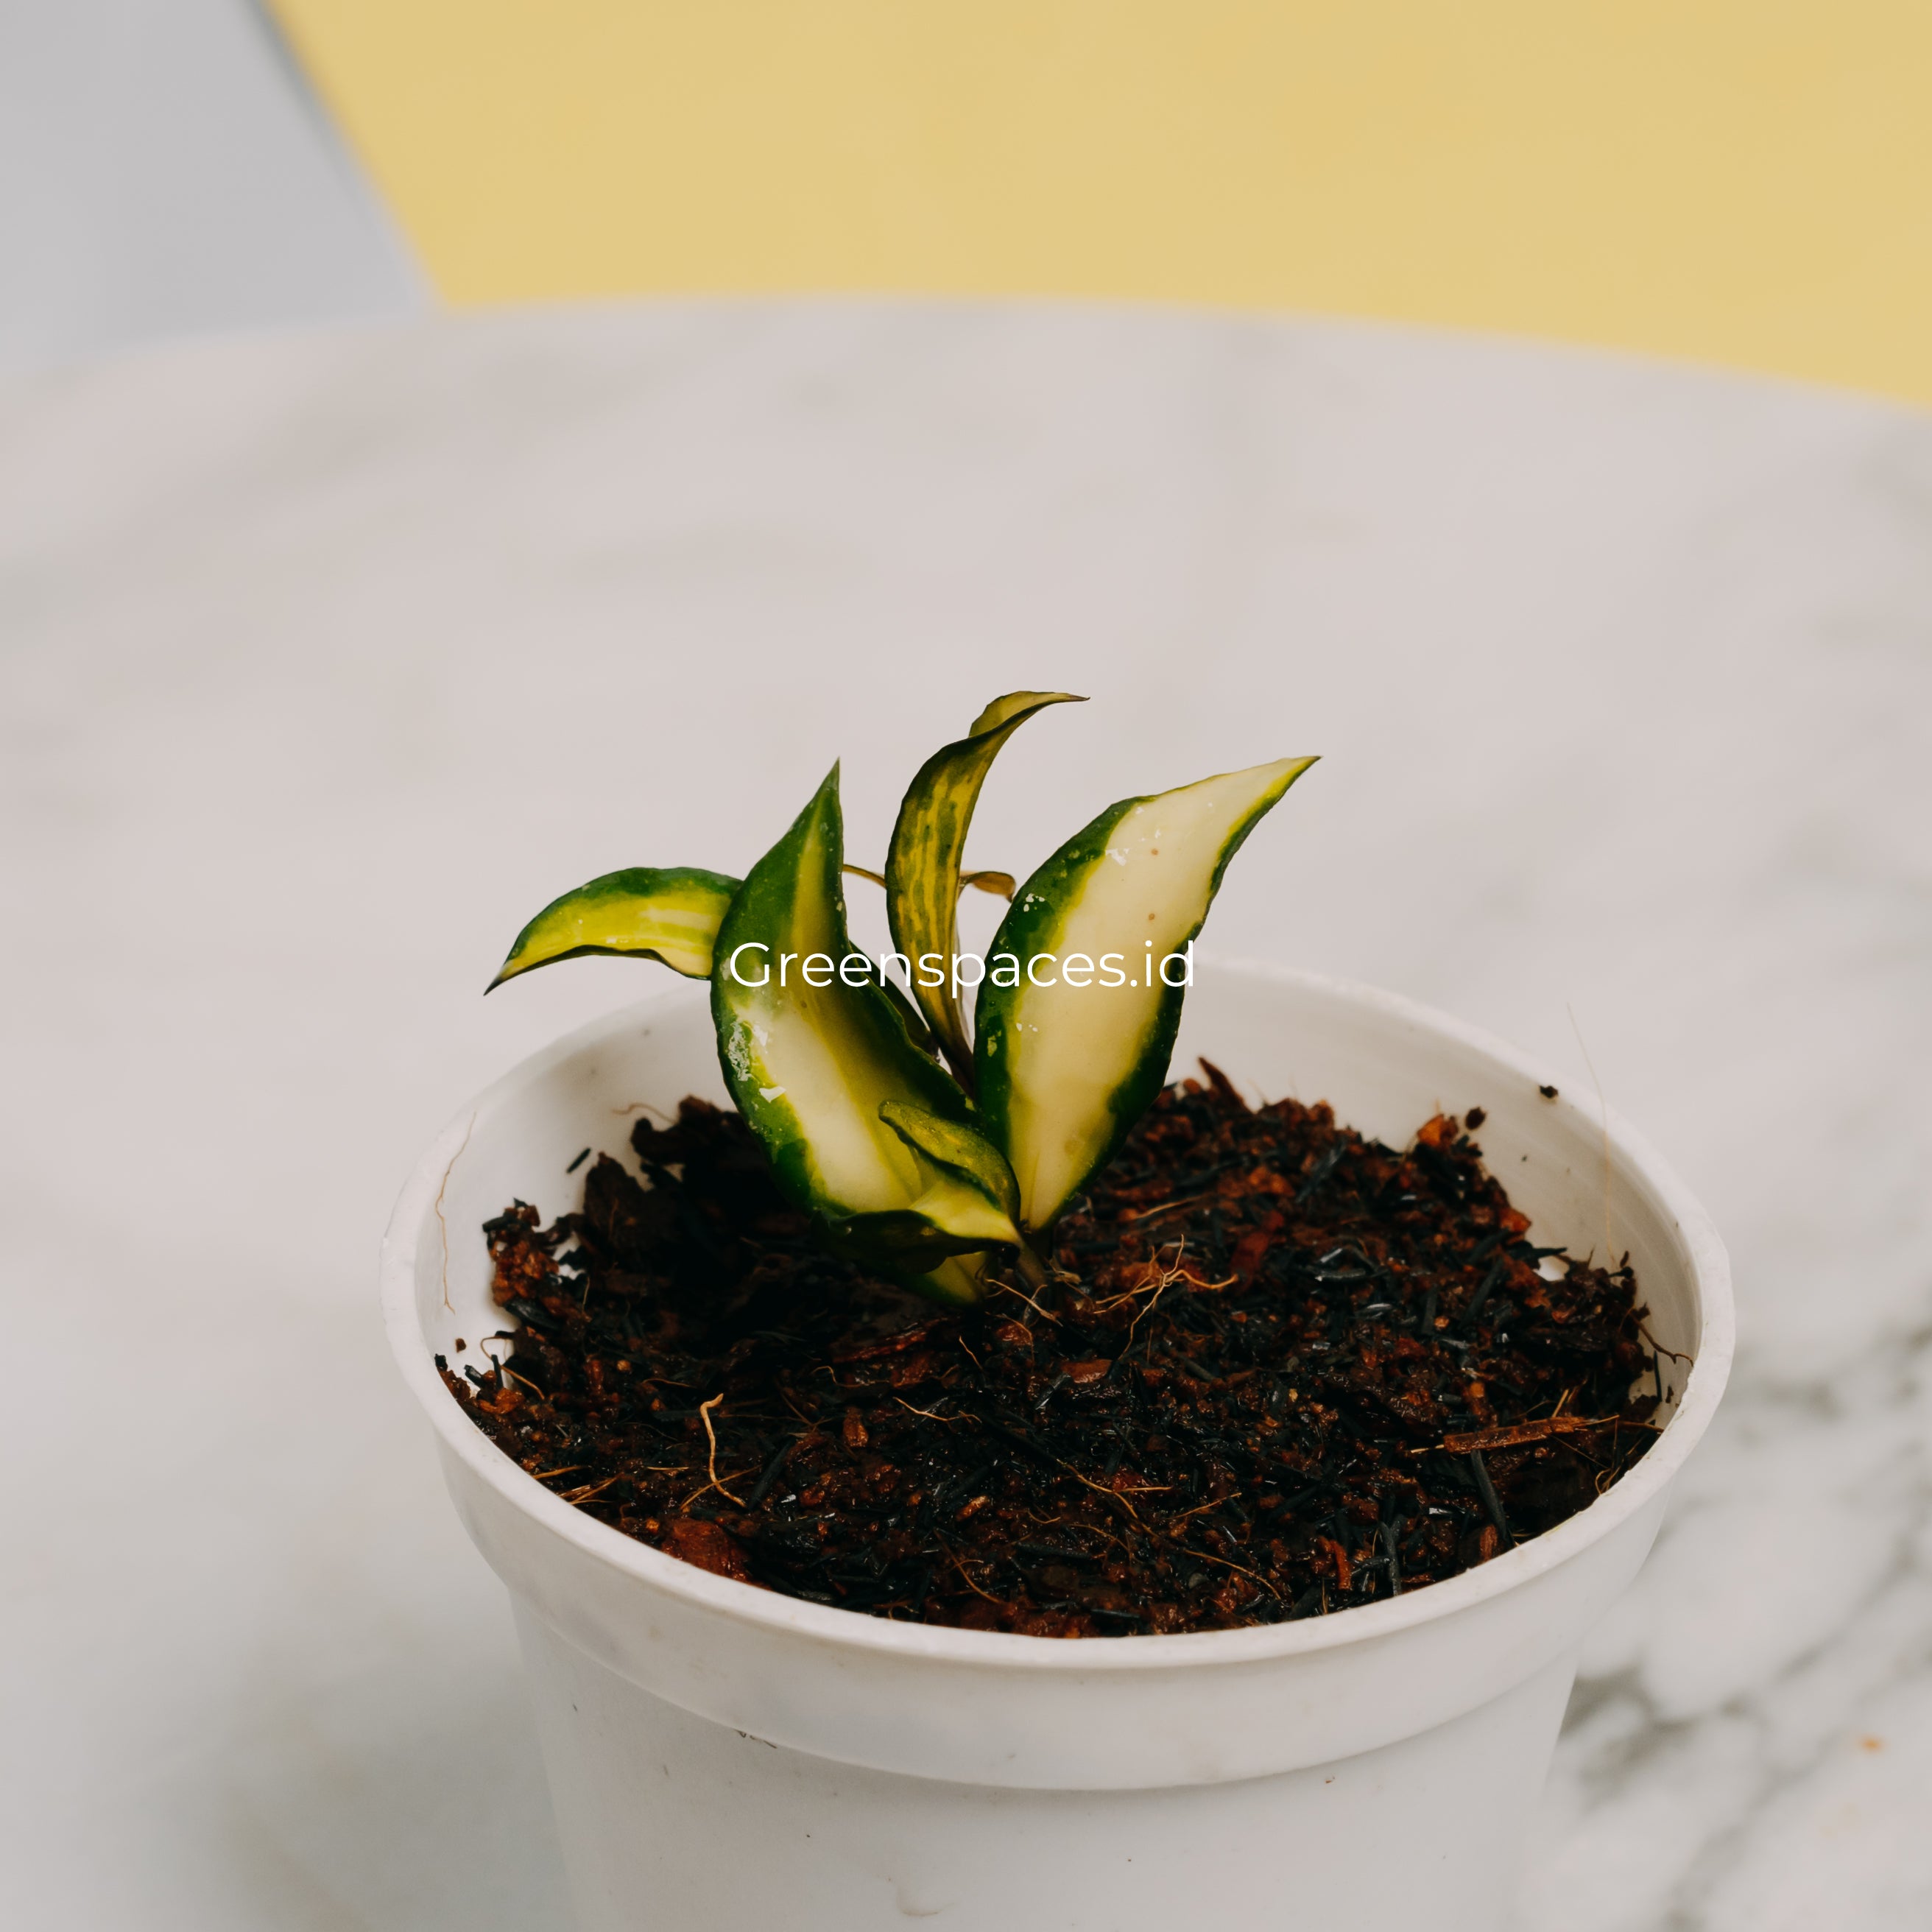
(922, 877)
(670, 914)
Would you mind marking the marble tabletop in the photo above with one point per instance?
(327, 659)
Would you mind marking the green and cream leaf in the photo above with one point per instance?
(1064, 1069)
(812, 1048)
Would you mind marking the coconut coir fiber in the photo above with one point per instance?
(1283, 1370)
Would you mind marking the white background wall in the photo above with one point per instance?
(164, 171)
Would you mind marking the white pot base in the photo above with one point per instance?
(720, 1829)
(725, 1759)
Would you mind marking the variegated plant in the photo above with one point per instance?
(937, 1153)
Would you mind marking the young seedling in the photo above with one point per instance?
(933, 1153)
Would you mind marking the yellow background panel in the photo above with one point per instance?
(1747, 181)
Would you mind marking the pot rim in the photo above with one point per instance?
(853, 1630)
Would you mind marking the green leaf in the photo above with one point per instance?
(962, 1149)
(922, 879)
(938, 1253)
(917, 1031)
(812, 1047)
(670, 914)
(1065, 1069)
(1002, 885)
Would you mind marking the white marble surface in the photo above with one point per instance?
(326, 660)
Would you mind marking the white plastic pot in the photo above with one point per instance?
(723, 1757)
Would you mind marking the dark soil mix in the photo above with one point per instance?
(1283, 1370)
